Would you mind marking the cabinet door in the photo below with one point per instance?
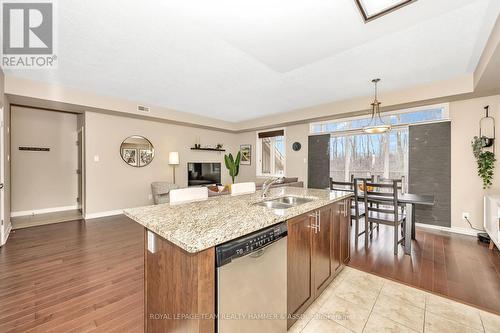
(322, 250)
(337, 209)
(300, 273)
(345, 218)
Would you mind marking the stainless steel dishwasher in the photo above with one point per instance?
(251, 283)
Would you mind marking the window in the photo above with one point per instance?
(271, 153)
(363, 155)
(396, 119)
(372, 9)
(353, 152)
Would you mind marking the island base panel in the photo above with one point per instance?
(179, 288)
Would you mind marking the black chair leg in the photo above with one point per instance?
(396, 227)
(356, 232)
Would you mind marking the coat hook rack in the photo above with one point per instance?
(487, 141)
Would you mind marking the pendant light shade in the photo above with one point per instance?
(376, 125)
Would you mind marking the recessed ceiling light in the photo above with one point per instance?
(372, 9)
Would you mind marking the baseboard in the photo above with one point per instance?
(6, 234)
(42, 211)
(103, 214)
(456, 230)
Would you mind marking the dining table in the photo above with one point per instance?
(410, 201)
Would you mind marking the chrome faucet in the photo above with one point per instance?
(267, 185)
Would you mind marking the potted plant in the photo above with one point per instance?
(232, 164)
(485, 160)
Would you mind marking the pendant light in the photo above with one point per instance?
(376, 125)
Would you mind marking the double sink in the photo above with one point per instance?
(284, 202)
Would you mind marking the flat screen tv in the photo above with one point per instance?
(202, 174)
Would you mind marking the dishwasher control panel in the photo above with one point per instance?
(245, 245)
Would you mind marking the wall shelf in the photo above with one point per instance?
(208, 149)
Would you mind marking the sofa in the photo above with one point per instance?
(161, 190)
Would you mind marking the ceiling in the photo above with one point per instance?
(237, 60)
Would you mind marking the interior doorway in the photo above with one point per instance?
(47, 166)
(2, 179)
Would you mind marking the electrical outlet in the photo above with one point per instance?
(465, 216)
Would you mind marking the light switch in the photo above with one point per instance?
(96, 158)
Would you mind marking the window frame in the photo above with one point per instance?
(444, 106)
(258, 152)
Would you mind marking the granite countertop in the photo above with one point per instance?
(197, 226)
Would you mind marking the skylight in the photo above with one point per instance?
(372, 9)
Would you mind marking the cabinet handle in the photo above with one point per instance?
(319, 221)
(315, 224)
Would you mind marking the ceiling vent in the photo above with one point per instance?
(143, 108)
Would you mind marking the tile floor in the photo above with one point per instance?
(360, 302)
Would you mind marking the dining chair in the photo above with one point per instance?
(242, 188)
(189, 194)
(369, 178)
(382, 207)
(357, 208)
(401, 181)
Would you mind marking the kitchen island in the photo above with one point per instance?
(180, 242)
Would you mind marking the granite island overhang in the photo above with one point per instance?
(180, 243)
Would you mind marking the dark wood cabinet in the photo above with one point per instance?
(322, 249)
(345, 218)
(318, 248)
(300, 277)
(337, 209)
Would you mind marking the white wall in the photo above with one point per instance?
(113, 185)
(466, 187)
(43, 180)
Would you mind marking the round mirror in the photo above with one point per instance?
(137, 151)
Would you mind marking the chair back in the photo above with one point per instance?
(401, 181)
(189, 194)
(341, 186)
(242, 188)
(368, 179)
(382, 197)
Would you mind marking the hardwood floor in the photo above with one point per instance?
(452, 265)
(73, 277)
(88, 276)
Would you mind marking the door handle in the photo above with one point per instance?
(1, 186)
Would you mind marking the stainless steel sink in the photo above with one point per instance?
(294, 201)
(284, 202)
